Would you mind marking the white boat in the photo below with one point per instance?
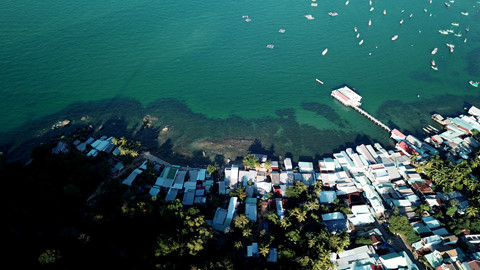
(434, 68)
(361, 42)
(447, 4)
(355, 29)
(333, 14)
(449, 31)
(434, 51)
(270, 46)
(369, 22)
(443, 32)
(358, 35)
(401, 21)
(425, 10)
(464, 13)
(384, 12)
(411, 15)
(395, 37)
(458, 35)
(465, 40)
(370, 2)
(430, 1)
(281, 31)
(450, 46)
(433, 62)
(309, 17)
(346, 3)
(320, 82)
(325, 51)
(455, 24)
(248, 20)
(314, 4)
(371, 9)
(474, 84)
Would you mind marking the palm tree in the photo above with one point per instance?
(264, 250)
(285, 223)
(247, 232)
(472, 211)
(301, 215)
(238, 245)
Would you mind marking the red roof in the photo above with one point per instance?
(375, 267)
(465, 129)
(342, 96)
(422, 188)
(474, 265)
(398, 133)
(405, 147)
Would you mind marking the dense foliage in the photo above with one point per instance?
(400, 225)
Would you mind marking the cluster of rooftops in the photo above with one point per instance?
(370, 181)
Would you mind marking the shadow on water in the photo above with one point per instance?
(192, 138)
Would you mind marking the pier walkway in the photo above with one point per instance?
(371, 118)
(349, 98)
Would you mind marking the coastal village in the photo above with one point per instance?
(359, 189)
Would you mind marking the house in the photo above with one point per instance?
(347, 96)
(171, 194)
(129, 180)
(305, 167)
(396, 260)
(287, 162)
(431, 222)
(188, 197)
(251, 209)
(335, 222)
(361, 215)
(252, 250)
(223, 217)
(327, 196)
(272, 255)
(179, 179)
(326, 165)
(397, 135)
(279, 206)
(357, 257)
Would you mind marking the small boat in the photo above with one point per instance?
(248, 20)
(325, 51)
(433, 62)
(449, 31)
(401, 21)
(434, 68)
(369, 22)
(281, 31)
(61, 124)
(320, 82)
(270, 46)
(309, 17)
(361, 42)
(465, 40)
(450, 46)
(458, 35)
(384, 12)
(467, 29)
(430, 1)
(346, 3)
(370, 2)
(474, 84)
(433, 128)
(455, 24)
(425, 10)
(355, 29)
(395, 37)
(434, 51)
(447, 4)
(426, 130)
(411, 15)
(464, 13)
(314, 4)
(371, 9)
(358, 35)
(333, 14)
(443, 32)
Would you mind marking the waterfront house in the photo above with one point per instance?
(223, 217)
(347, 96)
(287, 162)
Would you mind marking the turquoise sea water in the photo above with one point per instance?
(199, 66)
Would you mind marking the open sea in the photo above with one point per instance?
(201, 68)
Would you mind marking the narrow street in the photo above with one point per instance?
(397, 243)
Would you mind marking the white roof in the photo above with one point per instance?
(288, 163)
(360, 209)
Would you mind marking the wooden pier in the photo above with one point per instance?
(371, 118)
(349, 98)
